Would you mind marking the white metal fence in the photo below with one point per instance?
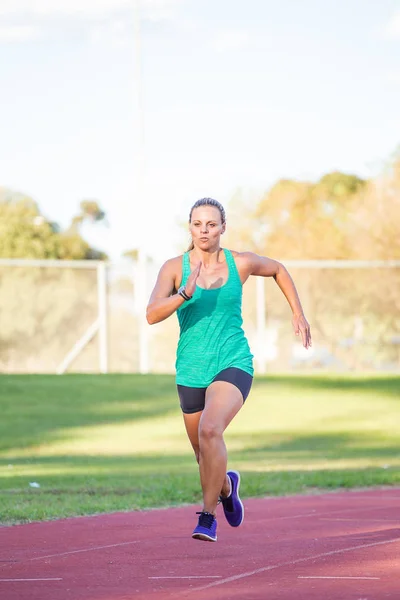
(89, 316)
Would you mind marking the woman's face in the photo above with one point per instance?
(206, 227)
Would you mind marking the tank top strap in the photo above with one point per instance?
(233, 271)
(185, 267)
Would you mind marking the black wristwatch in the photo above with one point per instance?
(183, 293)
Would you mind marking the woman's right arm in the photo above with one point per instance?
(162, 303)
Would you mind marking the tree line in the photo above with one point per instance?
(340, 216)
(26, 233)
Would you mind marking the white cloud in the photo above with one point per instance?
(160, 10)
(151, 9)
(230, 40)
(115, 32)
(18, 33)
(53, 8)
(25, 20)
(393, 77)
(392, 28)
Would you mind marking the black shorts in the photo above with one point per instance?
(193, 399)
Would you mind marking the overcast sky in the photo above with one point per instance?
(236, 94)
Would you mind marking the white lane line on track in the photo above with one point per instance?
(188, 577)
(78, 551)
(291, 562)
(388, 497)
(359, 519)
(298, 516)
(327, 512)
(333, 577)
(38, 579)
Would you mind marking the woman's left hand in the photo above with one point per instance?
(301, 326)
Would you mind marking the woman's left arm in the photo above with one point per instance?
(267, 267)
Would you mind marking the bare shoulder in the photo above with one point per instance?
(172, 266)
(250, 263)
(172, 270)
(168, 279)
(244, 258)
(244, 263)
(173, 263)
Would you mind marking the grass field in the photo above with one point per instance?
(101, 443)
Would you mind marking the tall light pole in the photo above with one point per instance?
(141, 278)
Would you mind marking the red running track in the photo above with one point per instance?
(337, 546)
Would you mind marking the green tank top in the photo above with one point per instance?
(211, 334)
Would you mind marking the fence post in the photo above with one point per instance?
(261, 329)
(103, 316)
(143, 325)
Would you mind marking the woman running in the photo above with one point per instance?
(214, 364)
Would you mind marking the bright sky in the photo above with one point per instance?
(237, 93)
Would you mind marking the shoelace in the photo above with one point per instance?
(206, 519)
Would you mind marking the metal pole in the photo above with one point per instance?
(261, 328)
(102, 319)
(141, 282)
(78, 347)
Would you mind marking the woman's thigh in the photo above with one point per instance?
(223, 402)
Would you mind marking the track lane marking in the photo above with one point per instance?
(358, 519)
(289, 563)
(188, 577)
(38, 579)
(78, 551)
(333, 577)
(328, 512)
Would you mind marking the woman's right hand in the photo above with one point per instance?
(190, 286)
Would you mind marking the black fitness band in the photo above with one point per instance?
(183, 293)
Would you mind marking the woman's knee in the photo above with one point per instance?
(209, 431)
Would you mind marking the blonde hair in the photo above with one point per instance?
(206, 202)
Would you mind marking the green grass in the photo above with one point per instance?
(101, 443)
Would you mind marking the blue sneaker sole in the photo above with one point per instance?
(204, 537)
(237, 493)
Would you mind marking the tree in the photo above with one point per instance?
(376, 218)
(89, 211)
(26, 233)
(298, 215)
(132, 254)
(340, 216)
(44, 309)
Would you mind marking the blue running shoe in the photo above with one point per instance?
(232, 505)
(207, 527)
